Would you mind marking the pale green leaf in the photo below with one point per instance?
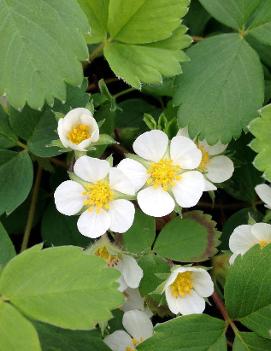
(16, 332)
(261, 129)
(247, 290)
(193, 333)
(233, 13)
(251, 342)
(74, 291)
(16, 176)
(42, 44)
(7, 250)
(260, 27)
(221, 88)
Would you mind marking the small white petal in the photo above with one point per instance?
(264, 193)
(120, 182)
(91, 169)
(233, 257)
(122, 283)
(192, 303)
(135, 171)
(219, 169)
(134, 300)
(155, 202)
(212, 150)
(242, 239)
(209, 186)
(118, 341)
(262, 231)
(151, 145)
(130, 270)
(122, 214)
(185, 153)
(93, 224)
(202, 282)
(62, 133)
(138, 324)
(91, 122)
(189, 188)
(68, 197)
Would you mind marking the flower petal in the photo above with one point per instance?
(89, 120)
(242, 239)
(172, 302)
(262, 231)
(209, 186)
(118, 341)
(62, 133)
(93, 224)
(202, 282)
(138, 324)
(185, 153)
(122, 214)
(91, 169)
(213, 149)
(68, 197)
(183, 132)
(219, 169)
(120, 182)
(155, 202)
(130, 270)
(233, 257)
(264, 193)
(189, 188)
(191, 304)
(135, 171)
(151, 145)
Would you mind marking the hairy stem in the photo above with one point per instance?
(123, 92)
(96, 52)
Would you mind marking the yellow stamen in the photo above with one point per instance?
(135, 343)
(111, 260)
(205, 158)
(79, 133)
(163, 173)
(129, 348)
(98, 195)
(182, 285)
(264, 243)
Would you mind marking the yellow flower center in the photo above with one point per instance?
(79, 133)
(111, 260)
(182, 285)
(98, 195)
(135, 343)
(205, 158)
(163, 174)
(264, 243)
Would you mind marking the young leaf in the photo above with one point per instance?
(195, 332)
(261, 129)
(74, 291)
(48, 42)
(251, 342)
(7, 250)
(221, 89)
(191, 239)
(16, 176)
(247, 290)
(16, 332)
(260, 26)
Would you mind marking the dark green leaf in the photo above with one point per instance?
(7, 250)
(251, 342)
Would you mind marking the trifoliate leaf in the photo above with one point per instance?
(7, 250)
(74, 291)
(16, 177)
(193, 238)
(261, 129)
(221, 88)
(260, 26)
(195, 332)
(42, 44)
(233, 13)
(247, 290)
(250, 342)
(16, 332)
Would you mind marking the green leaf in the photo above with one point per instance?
(38, 32)
(56, 339)
(251, 342)
(16, 332)
(74, 291)
(7, 250)
(7, 136)
(261, 129)
(194, 332)
(260, 26)
(233, 13)
(247, 290)
(16, 177)
(221, 89)
(63, 232)
(191, 239)
(141, 235)
(144, 21)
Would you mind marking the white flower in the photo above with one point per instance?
(186, 290)
(264, 193)
(98, 192)
(78, 129)
(216, 168)
(165, 170)
(139, 328)
(134, 301)
(245, 236)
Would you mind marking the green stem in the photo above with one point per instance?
(32, 209)
(123, 92)
(22, 145)
(96, 52)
